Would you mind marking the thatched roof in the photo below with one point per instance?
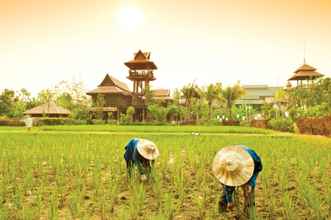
(161, 94)
(111, 85)
(112, 81)
(48, 109)
(305, 72)
(141, 62)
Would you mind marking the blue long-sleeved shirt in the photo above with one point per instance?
(131, 151)
(257, 165)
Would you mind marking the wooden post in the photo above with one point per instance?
(118, 116)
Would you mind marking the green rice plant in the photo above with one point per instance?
(289, 209)
(53, 207)
(74, 204)
(179, 184)
(168, 208)
(311, 198)
(156, 186)
(137, 200)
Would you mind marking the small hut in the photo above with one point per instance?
(48, 110)
(305, 73)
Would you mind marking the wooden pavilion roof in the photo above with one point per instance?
(305, 72)
(49, 109)
(141, 61)
(111, 85)
(161, 94)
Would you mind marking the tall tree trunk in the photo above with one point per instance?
(209, 111)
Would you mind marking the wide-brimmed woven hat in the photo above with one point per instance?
(147, 149)
(233, 166)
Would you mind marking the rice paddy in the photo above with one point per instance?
(78, 172)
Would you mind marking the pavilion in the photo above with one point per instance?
(48, 110)
(305, 75)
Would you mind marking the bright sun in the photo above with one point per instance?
(130, 18)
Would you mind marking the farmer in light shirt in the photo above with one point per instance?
(28, 122)
(140, 153)
(236, 166)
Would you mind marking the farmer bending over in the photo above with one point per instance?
(140, 153)
(236, 166)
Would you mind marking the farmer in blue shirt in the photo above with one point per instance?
(236, 166)
(140, 153)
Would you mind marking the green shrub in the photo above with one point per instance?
(124, 119)
(11, 122)
(130, 112)
(281, 124)
(158, 113)
(58, 121)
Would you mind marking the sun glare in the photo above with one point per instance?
(130, 18)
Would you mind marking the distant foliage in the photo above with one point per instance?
(130, 112)
(230, 95)
(281, 124)
(312, 101)
(14, 103)
(158, 113)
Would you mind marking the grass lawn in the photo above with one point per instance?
(64, 172)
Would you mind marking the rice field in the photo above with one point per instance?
(78, 172)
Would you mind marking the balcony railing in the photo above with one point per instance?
(148, 74)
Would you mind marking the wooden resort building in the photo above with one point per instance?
(50, 110)
(304, 75)
(112, 97)
(258, 95)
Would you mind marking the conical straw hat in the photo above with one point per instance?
(147, 149)
(233, 166)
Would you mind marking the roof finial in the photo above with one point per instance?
(304, 53)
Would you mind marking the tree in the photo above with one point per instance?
(46, 96)
(65, 100)
(158, 113)
(175, 112)
(7, 100)
(230, 95)
(130, 112)
(280, 98)
(190, 92)
(314, 100)
(213, 93)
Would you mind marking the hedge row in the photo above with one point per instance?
(41, 121)
(317, 126)
(231, 122)
(259, 123)
(11, 122)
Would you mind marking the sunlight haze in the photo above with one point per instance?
(255, 42)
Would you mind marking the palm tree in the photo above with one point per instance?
(190, 92)
(213, 93)
(280, 98)
(231, 94)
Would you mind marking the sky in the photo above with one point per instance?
(43, 42)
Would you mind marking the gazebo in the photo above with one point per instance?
(48, 110)
(305, 73)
